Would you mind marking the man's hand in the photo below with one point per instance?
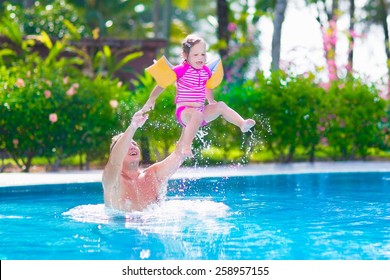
(139, 118)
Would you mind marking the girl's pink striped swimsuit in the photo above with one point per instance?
(191, 83)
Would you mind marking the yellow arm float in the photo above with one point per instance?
(217, 74)
(162, 72)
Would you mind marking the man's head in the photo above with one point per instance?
(133, 152)
(114, 140)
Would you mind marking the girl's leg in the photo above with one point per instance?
(214, 110)
(192, 119)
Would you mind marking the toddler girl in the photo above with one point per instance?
(191, 77)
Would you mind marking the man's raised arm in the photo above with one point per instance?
(167, 167)
(120, 149)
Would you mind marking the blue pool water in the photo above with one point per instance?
(301, 217)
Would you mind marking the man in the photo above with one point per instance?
(126, 186)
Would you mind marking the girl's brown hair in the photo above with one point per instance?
(190, 41)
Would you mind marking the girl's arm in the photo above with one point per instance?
(149, 105)
(210, 96)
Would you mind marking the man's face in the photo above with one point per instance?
(134, 153)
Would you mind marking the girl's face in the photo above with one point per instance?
(197, 56)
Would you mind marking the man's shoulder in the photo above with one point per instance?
(110, 177)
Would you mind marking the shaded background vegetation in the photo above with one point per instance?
(62, 108)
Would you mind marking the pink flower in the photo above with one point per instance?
(331, 63)
(332, 76)
(71, 91)
(119, 84)
(114, 103)
(47, 93)
(231, 27)
(20, 83)
(333, 24)
(65, 80)
(320, 128)
(331, 116)
(354, 34)
(15, 142)
(324, 85)
(53, 117)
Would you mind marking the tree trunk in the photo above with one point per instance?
(383, 17)
(351, 36)
(329, 34)
(280, 10)
(312, 153)
(291, 152)
(145, 151)
(28, 3)
(156, 18)
(223, 22)
(167, 18)
(88, 162)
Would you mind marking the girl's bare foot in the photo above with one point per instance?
(247, 125)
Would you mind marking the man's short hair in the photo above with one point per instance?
(115, 140)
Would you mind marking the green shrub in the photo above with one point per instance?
(43, 112)
(58, 19)
(292, 106)
(355, 116)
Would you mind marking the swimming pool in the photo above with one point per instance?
(321, 216)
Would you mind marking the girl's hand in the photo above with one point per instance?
(149, 105)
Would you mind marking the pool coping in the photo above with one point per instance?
(68, 177)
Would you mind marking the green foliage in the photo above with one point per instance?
(11, 30)
(49, 108)
(58, 19)
(292, 106)
(355, 116)
(297, 117)
(243, 46)
(46, 113)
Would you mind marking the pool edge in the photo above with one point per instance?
(34, 179)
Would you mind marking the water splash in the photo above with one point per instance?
(170, 217)
(254, 141)
(201, 136)
(205, 144)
